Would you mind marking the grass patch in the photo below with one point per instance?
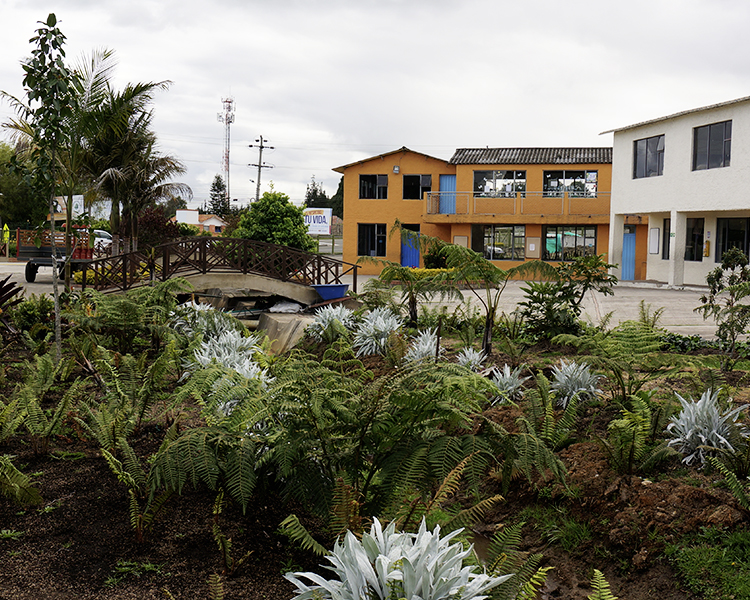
(714, 563)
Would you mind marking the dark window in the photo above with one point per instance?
(730, 233)
(499, 184)
(373, 187)
(578, 184)
(500, 242)
(712, 146)
(665, 239)
(694, 239)
(648, 157)
(371, 239)
(565, 242)
(416, 186)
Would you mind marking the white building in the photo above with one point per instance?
(689, 174)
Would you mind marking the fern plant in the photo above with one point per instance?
(601, 587)
(230, 564)
(574, 379)
(541, 420)
(627, 443)
(386, 564)
(704, 427)
(15, 485)
(504, 558)
(146, 502)
(509, 384)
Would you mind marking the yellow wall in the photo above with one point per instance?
(447, 227)
(358, 211)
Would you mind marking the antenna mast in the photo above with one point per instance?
(227, 117)
(260, 164)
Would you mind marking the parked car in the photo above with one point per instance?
(102, 238)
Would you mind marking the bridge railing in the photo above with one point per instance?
(202, 255)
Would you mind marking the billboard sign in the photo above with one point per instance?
(318, 220)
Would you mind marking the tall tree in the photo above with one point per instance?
(47, 83)
(337, 200)
(19, 206)
(219, 201)
(315, 196)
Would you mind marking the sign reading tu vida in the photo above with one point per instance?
(318, 220)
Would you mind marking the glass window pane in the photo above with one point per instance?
(484, 182)
(700, 149)
(716, 146)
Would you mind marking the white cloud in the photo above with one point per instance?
(328, 82)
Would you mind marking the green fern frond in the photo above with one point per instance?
(472, 515)
(295, 531)
(11, 417)
(15, 485)
(532, 586)
(345, 508)
(239, 469)
(215, 587)
(601, 588)
(736, 487)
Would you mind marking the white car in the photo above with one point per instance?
(102, 238)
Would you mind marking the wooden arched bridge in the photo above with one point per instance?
(194, 257)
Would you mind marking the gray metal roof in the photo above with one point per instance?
(679, 114)
(530, 156)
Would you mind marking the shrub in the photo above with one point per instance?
(331, 323)
(471, 359)
(386, 564)
(509, 384)
(34, 310)
(702, 426)
(374, 331)
(424, 347)
(571, 378)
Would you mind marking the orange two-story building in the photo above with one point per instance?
(511, 204)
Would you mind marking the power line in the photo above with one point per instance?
(261, 164)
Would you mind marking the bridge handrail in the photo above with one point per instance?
(201, 255)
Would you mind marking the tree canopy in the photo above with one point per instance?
(219, 202)
(275, 220)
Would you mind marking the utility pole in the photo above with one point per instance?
(227, 118)
(260, 164)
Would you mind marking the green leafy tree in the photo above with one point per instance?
(19, 206)
(219, 202)
(315, 196)
(728, 287)
(337, 200)
(275, 220)
(47, 83)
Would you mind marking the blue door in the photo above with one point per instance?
(628, 257)
(447, 194)
(410, 249)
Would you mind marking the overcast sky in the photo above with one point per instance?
(329, 82)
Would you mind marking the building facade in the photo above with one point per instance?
(510, 204)
(682, 181)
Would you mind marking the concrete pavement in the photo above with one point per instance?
(678, 304)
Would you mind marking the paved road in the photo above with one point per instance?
(678, 304)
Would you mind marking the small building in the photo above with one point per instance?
(211, 223)
(510, 204)
(679, 192)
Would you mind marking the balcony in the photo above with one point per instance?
(457, 206)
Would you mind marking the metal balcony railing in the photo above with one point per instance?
(518, 203)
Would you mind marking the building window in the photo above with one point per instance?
(373, 187)
(665, 239)
(731, 233)
(694, 239)
(648, 157)
(217, 229)
(371, 239)
(566, 242)
(712, 146)
(578, 184)
(416, 186)
(499, 184)
(499, 242)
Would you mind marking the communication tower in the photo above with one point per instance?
(227, 117)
